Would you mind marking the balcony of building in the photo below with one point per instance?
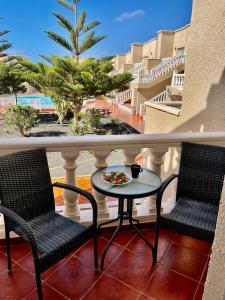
(182, 263)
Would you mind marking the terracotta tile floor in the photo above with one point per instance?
(129, 273)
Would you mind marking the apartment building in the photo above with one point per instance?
(158, 67)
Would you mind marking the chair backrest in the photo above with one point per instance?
(202, 170)
(25, 183)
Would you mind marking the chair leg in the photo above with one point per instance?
(96, 252)
(38, 283)
(7, 236)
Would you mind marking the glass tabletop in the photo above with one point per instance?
(145, 185)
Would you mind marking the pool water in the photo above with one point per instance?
(36, 101)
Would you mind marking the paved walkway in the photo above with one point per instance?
(116, 112)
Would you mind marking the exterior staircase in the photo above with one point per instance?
(124, 97)
(161, 70)
(137, 69)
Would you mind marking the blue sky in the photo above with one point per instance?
(123, 21)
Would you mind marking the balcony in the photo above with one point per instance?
(183, 261)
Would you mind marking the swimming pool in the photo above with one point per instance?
(36, 101)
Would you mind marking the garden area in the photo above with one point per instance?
(25, 121)
(68, 80)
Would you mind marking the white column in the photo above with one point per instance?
(157, 158)
(101, 156)
(130, 156)
(71, 208)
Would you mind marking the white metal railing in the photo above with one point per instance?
(35, 102)
(5, 102)
(138, 69)
(156, 146)
(162, 69)
(124, 96)
(178, 81)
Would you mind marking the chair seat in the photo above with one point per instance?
(57, 235)
(197, 219)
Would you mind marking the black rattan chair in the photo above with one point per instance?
(200, 182)
(27, 203)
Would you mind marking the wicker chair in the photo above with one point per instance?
(200, 182)
(27, 203)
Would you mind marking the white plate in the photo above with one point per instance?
(129, 180)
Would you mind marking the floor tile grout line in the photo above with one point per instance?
(126, 284)
(57, 268)
(119, 243)
(203, 272)
(183, 275)
(53, 288)
(160, 262)
(195, 294)
(91, 287)
(192, 249)
(146, 256)
(121, 250)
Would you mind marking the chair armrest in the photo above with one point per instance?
(84, 193)
(25, 226)
(162, 189)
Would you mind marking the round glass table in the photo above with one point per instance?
(147, 184)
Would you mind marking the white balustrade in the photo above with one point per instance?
(178, 81)
(162, 69)
(156, 158)
(70, 147)
(160, 98)
(130, 159)
(124, 96)
(71, 208)
(100, 162)
(138, 69)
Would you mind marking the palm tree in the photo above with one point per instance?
(81, 38)
(4, 44)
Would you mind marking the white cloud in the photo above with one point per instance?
(130, 15)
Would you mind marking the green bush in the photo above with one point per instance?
(20, 118)
(115, 122)
(80, 128)
(93, 116)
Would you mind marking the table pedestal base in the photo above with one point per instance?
(125, 215)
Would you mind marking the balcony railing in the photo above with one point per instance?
(124, 96)
(166, 66)
(138, 69)
(156, 146)
(178, 81)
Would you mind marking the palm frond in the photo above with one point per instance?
(47, 58)
(66, 4)
(73, 39)
(63, 21)
(60, 40)
(4, 32)
(90, 25)
(81, 21)
(89, 41)
(5, 46)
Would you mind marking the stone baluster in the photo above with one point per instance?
(71, 199)
(130, 156)
(101, 156)
(156, 158)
